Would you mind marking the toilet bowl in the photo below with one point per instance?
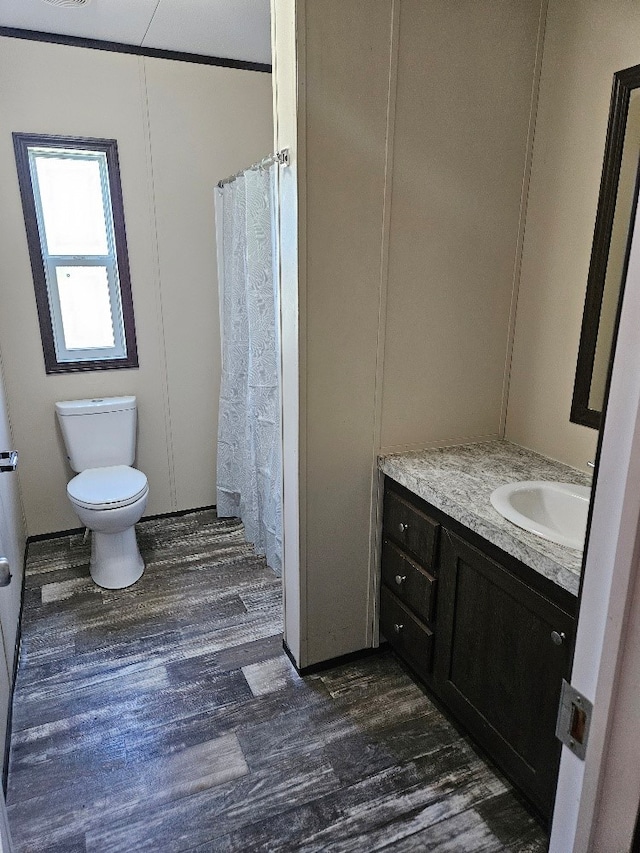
(108, 494)
(109, 502)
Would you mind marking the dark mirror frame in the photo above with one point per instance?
(624, 82)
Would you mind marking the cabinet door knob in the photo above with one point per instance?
(403, 527)
(400, 579)
(397, 628)
(558, 637)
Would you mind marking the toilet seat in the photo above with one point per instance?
(107, 488)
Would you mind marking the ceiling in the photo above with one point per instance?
(233, 29)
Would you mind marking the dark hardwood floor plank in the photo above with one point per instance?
(200, 819)
(156, 702)
(166, 718)
(375, 806)
(163, 648)
(271, 675)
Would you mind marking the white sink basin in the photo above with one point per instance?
(555, 511)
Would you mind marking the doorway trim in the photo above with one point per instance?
(604, 630)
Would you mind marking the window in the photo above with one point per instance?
(72, 203)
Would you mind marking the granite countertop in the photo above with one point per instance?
(459, 481)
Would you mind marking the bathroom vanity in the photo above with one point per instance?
(482, 611)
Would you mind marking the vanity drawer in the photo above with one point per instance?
(409, 581)
(410, 528)
(409, 637)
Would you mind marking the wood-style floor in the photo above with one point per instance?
(166, 718)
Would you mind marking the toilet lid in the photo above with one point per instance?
(107, 488)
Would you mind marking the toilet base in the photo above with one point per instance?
(116, 562)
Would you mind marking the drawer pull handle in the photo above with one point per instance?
(403, 527)
(400, 579)
(397, 628)
(558, 637)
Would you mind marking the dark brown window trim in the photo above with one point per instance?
(120, 47)
(21, 143)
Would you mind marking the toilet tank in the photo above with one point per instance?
(98, 433)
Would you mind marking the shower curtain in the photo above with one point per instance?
(249, 476)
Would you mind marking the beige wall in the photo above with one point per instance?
(465, 76)
(205, 123)
(586, 41)
(411, 151)
(288, 114)
(179, 127)
(347, 84)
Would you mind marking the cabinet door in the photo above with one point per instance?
(497, 666)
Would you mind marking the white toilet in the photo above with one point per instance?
(108, 495)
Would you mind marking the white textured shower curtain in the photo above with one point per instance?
(249, 477)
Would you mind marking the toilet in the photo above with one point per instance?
(108, 495)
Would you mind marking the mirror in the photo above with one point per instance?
(617, 204)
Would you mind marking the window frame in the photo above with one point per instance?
(22, 142)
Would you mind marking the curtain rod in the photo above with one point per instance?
(279, 157)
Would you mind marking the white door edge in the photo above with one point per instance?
(609, 574)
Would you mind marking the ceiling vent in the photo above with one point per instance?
(67, 4)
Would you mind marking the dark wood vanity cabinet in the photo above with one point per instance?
(408, 591)
(503, 652)
(488, 635)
